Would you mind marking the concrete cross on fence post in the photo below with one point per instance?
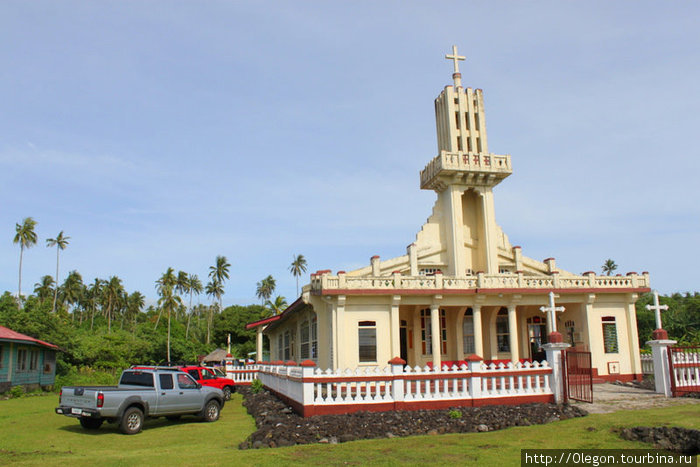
(659, 333)
(554, 336)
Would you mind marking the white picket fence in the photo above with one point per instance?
(242, 375)
(315, 391)
(686, 370)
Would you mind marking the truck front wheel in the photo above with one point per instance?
(91, 423)
(132, 421)
(227, 393)
(211, 411)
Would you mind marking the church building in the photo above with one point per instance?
(461, 288)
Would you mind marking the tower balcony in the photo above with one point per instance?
(469, 169)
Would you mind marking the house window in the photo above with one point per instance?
(49, 361)
(304, 340)
(33, 360)
(2, 355)
(570, 332)
(21, 359)
(610, 334)
(287, 354)
(427, 332)
(468, 331)
(428, 271)
(502, 332)
(280, 347)
(367, 338)
(314, 339)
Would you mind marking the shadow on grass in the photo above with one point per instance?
(113, 428)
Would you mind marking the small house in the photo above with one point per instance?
(25, 361)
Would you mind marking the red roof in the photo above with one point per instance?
(9, 334)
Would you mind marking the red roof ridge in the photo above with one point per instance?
(7, 333)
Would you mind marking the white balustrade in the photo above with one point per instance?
(686, 369)
(647, 364)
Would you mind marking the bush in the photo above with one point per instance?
(256, 386)
(16, 392)
(455, 414)
(86, 376)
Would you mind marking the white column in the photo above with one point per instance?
(662, 372)
(633, 336)
(490, 240)
(395, 326)
(513, 334)
(478, 337)
(338, 318)
(554, 356)
(454, 226)
(459, 334)
(435, 335)
(259, 344)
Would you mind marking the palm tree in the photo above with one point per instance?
(219, 274)
(609, 267)
(182, 283)
(60, 242)
(265, 288)
(169, 301)
(298, 267)
(93, 293)
(72, 289)
(278, 305)
(112, 293)
(194, 285)
(26, 237)
(44, 288)
(167, 280)
(134, 305)
(213, 289)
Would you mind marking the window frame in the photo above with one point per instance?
(502, 338)
(427, 334)
(610, 322)
(369, 329)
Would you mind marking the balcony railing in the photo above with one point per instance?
(450, 162)
(322, 283)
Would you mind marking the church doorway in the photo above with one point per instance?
(537, 335)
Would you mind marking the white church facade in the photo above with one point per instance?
(461, 288)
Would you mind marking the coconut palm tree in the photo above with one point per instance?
(169, 301)
(219, 273)
(278, 305)
(44, 288)
(167, 280)
(26, 237)
(298, 267)
(609, 267)
(134, 305)
(194, 285)
(265, 288)
(60, 242)
(92, 296)
(215, 290)
(112, 293)
(72, 289)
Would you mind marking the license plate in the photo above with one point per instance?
(76, 411)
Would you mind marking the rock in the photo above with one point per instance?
(323, 440)
(390, 435)
(432, 432)
(482, 428)
(257, 445)
(333, 440)
(344, 438)
(287, 410)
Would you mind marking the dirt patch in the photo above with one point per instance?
(611, 397)
(278, 425)
(676, 439)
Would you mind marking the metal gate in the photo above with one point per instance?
(579, 375)
(684, 366)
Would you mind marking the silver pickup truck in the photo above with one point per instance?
(153, 392)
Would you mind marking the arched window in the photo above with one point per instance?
(468, 331)
(502, 331)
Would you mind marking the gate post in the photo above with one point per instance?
(554, 350)
(662, 369)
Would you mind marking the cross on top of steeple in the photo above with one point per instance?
(455, 58)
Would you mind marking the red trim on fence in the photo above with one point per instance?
(479, 291)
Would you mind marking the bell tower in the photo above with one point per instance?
(463, 175)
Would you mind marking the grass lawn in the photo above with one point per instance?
(32, 434)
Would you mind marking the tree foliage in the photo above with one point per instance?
(681, 321)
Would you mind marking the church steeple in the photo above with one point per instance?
(461, 137)
(463, 174)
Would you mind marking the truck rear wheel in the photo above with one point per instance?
(132, 421)
(91, 423)
(211, 411)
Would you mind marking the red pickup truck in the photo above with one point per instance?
(206, 377)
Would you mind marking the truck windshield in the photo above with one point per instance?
(137, 378)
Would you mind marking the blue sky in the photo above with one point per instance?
(161, 134)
